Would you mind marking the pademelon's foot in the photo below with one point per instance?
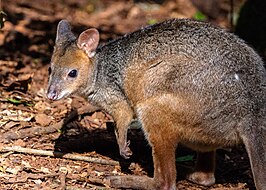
(201, 178)
(125, 151)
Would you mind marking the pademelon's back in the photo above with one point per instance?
(213, 69)
(185, 54)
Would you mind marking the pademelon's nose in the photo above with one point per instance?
(52, 94)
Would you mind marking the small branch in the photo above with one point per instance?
(6, 175)
(91, 187)
(34, 131)
(31, 132)
(103, 181)
(130, 182)
(59, 155)
(75, 188)
(22, 179)
(62, 177)
(40, 176)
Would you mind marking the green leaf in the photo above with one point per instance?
(199, 16)
(17, 101)
(152, 21)
(184, 158)
(29, 104)
(14, 101)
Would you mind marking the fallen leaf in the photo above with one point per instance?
(43, 119)
(19, 142)
(19, 101)
(10, 125)
(22, 85)
(63, 170)
(14, 170)
(42, 106)
(84, 174)
(38, 181)
(26, 164)
(45, 170)
(15, 115)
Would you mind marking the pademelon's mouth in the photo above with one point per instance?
(57, 96)
(63, 94)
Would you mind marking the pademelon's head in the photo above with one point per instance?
(71, 62)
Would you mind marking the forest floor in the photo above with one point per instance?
(80, 153)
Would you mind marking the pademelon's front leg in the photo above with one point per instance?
(123, 115)
(160, 133)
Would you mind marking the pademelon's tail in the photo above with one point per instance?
(254, 139)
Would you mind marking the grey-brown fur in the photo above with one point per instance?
(187, 82)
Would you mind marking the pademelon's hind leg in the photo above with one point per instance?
(160, 125)
(254, 139)
(203, 172)
(160, 132)
(164, 172)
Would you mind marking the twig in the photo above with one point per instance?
(40, 176)
(34, 131)
(75, 188)
(104, 182)
(7, 154)
(62, 177)
(31, 132)
(6, 175)
(15, 179)
(59, 155)
(91, 186)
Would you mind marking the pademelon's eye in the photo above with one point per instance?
(73, 73)
(49, 70)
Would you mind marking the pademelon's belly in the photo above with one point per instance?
(191, 121)
(203, 140)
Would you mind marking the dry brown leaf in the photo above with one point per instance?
(64, 170)
(19, 142)
(14, 115)
(42, 106)
(21, 85)
(45, 170)
(10, 125)
(7, 67)
(84, 174)
(14, 170)
(26, 164)
(43, 119)
(38, 181)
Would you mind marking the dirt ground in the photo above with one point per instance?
(78, 149)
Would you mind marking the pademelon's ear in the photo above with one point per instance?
(88, 41)
(64, 33)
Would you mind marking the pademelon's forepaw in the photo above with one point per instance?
(125, 151)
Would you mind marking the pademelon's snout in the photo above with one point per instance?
(55, 93)
(52, 93)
